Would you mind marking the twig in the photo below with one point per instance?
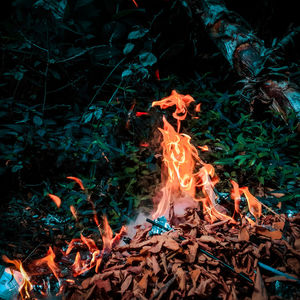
(104, 82)
(163, 289)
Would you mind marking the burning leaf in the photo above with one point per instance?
(55, 199)
(78, 181)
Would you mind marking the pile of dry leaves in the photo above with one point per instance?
(167, 267)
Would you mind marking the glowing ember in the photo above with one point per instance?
(55, 199)
(203, 148)
(77, 180)
(141, 113)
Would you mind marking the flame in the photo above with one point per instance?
(236, 196)
(73, 211)
(254, 205)
(180, 101)
(56, 200)
(181, 160)
(23, 281)
(157, 74)
(95, 258)
(77, 180)
(203, 148)
(141, 113)
(198, 107)
(49, 260)
(135, 3)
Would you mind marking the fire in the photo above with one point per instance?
(23, 281)
(181, 161)
(254, 205)
(180, 101)
(203, 148)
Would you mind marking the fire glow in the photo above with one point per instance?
(185, 173)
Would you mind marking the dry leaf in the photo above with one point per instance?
(274, 235)
(260, 292)
(207, 239)
(104, 284)
(181, 278)
(125, 285)
(171, 244)
(244, 234)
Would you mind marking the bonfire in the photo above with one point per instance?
(191, 247)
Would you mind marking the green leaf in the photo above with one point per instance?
(37, 121)
(128, 48)
(147, 59)
(137, 34)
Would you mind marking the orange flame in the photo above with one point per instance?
(77, 180)
(180, 101)
(254, 205)
(23, 281)
(49, 260)
(56, 200)
(180, 160)
(198, 107)
(73, 211)
(236, 196)
(203, 148)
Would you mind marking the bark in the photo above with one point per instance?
(246, 53)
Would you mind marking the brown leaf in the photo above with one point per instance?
(155, 265)
(275, 235)
(143, 283)
(171, 244)
(260, 292)
(157, 247)
(195, 275)
(207, 239)
(193, 249)
(125, 285)
(278, 225)
(181, 277)
(104, 284)
(132, 259)
(135, 269)
(244, 234)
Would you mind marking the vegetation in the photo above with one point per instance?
(74, 74)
